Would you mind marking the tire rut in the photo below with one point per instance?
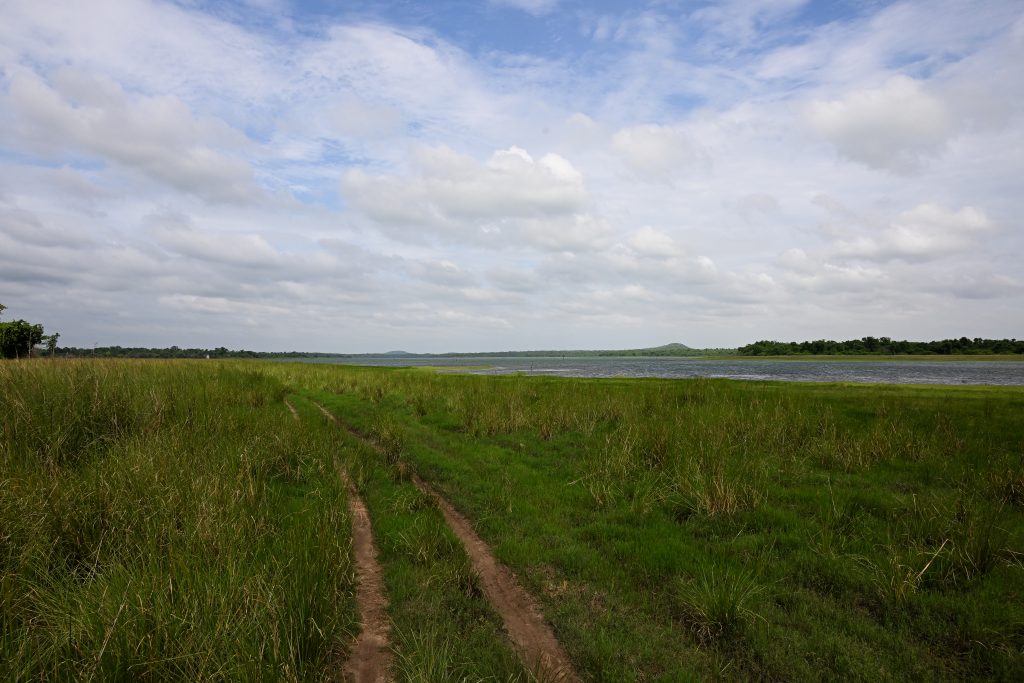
(370, 659)
(525, 625)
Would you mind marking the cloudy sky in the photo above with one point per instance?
(512, 174)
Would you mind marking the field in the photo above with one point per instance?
(169, 520)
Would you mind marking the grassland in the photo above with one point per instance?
(170, 520)
(165, 521)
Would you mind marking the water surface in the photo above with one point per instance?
(882, 371)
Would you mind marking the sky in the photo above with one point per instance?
(511, 174)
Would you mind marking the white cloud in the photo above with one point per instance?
(923, 233)
(659, 153)
(251, 251)
(444, 273)
(158, 136)
(672, 158)
(650, 242)
(145, 45)
(218, 305)
(895, 127)
(355, 117)
(797, 261)
(510, 198)
(26, 228)
(741, 20)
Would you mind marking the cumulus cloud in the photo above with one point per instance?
(158, 136)
(923, 233)
(798, 261)
(894, 127)
(509, 198)
(658, 153)
(927, 251)
(650, 242)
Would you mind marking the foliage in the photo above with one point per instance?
(884, 346)
(18, 338)
(175, 352)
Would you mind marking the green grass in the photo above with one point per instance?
(166, 521)
(171, 520)
(691, 529)
(443, 629)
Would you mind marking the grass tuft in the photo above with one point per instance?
(718, 603)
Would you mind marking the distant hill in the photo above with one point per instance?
(673, 349)
(674, 346)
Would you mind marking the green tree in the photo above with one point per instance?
(51, 343)
(17, 338)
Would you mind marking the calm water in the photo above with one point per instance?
(888, 372)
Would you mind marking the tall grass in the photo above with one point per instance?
(765, 530)
(165, 521)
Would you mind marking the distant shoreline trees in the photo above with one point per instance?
(176, 352)
(884, 346)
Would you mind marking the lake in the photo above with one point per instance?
(881, 371)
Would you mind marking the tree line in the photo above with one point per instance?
(19, 338)
(884, 346)
(176, 352)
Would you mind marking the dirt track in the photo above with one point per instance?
(524, 623)
(370, 659)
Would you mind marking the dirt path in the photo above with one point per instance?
(328, 414)
(524, 623)
(370, 660)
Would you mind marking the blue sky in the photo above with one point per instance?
(521, 174)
